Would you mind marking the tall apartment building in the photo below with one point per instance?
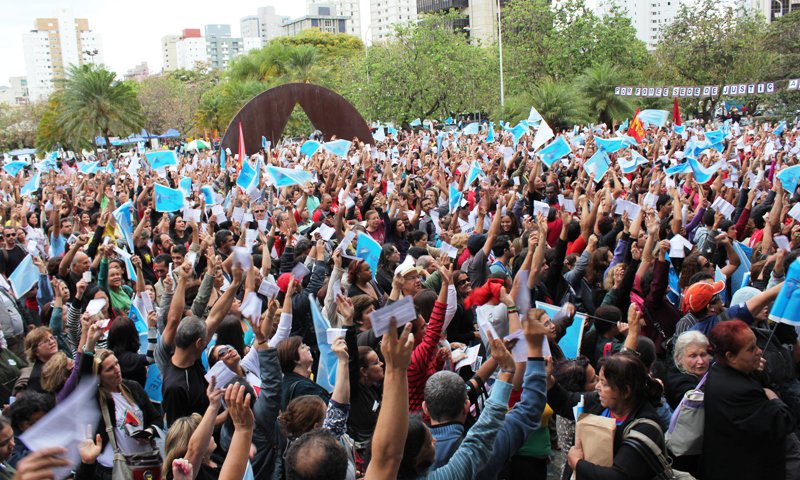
(249, 26)
(322, 17)
(479, 17)
(220, 46)
(270, 24)
(770, 9)
(649, 17)
(385, 14)
(343, 8)
(53, 46)
(190, 49)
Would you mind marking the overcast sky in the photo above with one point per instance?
(131, 31)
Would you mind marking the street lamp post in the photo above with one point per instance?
(500, 47)
(91, 54)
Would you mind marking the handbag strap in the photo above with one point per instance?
(109, 426)
(702, 381)
(663, 468)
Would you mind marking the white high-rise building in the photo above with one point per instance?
(250, 27)
(169, 51)
(385, 14)
(190, 52)
(347, 8)
(270, 24)
(648, 17)
(53, 46)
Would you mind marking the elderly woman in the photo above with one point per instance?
(746, 425)
(691, 362)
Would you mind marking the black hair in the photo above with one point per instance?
(500, 245)
(123, 336)
(316, 455)
(27, 404)
(571, 374)
(611, 313)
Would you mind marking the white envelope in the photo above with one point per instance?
(402, 310)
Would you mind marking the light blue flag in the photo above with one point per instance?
(439, 138)
(379, 135)
(455, 197)
(32, 185)
(14, 167)
(779, 129)
(557, 149)
(518, 132)
(24, 277)
(570, 343)
(110, 167)
(654, 117)
(744, 253)
(186, 185)
(89, 167)
(472, 129)
(168, 199)
(624, 126)
(309, 148)
(416, 122)
(152, 386)
(222, 159)
(369, 250)
(285, 177)
(680, 130)
(247, 175)
(789, 178)
(630, 165)
(208, 194)
(597, 165)
(449, 121)
(786, 308)
(264, 143)
(679, 168)
(715, 136)
(534, 117)
(673, 290)
(490, 135)
(338, 147)
(122, 216)
(391, 130)
(161, 158)
(140, 322)
(720, 277)
(610, 145)
(701, 173)
(326, 373)
(475, 171)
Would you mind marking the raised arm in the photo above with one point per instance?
(223, 304)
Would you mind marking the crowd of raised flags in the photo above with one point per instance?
(434, 213)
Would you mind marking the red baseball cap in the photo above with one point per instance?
(699, 295)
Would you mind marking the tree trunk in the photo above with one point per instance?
(108, 143)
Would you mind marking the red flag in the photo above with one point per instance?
(130, 419)
(676, 113)
(242, 153)
(636, 130)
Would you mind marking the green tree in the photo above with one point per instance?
(597, 88)
(93, 101)
(558, 103)
(167, 103)
(428, 69)
(709, 44)
(220, 104)
(561, 41)
(50, 131)
(302, 65)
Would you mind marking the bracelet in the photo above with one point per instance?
(503, 370)
(262, 343)
(87, 352)
(513, 309)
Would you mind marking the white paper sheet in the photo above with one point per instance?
(402, 310)
(224, 374)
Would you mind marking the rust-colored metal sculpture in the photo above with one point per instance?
(266, 115)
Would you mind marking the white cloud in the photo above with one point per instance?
(131, 32)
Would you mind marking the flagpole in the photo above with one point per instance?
(500, 47)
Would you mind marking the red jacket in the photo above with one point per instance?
(423, 363)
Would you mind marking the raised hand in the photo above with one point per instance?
(397, 351)
(238, 401)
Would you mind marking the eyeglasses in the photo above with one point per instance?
(462, 282)
(50, 339)
(10, 235)
(259, 211)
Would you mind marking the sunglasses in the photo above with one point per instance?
(10, 235)
(223, 350)
(461, 283)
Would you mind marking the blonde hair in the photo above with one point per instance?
(177, 442)
(608, 280)
(459, 240)
(55, 372)
(33, 339)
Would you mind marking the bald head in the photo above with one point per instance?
(316, 455)
(80, 263)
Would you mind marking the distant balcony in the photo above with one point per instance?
(431, 6)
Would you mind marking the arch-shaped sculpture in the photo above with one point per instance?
(267, 113)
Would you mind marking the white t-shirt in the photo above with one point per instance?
(126, 413)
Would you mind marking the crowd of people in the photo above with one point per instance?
(248, 334)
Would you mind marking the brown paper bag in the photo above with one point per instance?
(597, 439)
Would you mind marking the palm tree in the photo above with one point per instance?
(557, 103)
(597, 87)
(302, 64)
(94, 101)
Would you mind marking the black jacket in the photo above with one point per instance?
(677, 384)
(745, 433)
